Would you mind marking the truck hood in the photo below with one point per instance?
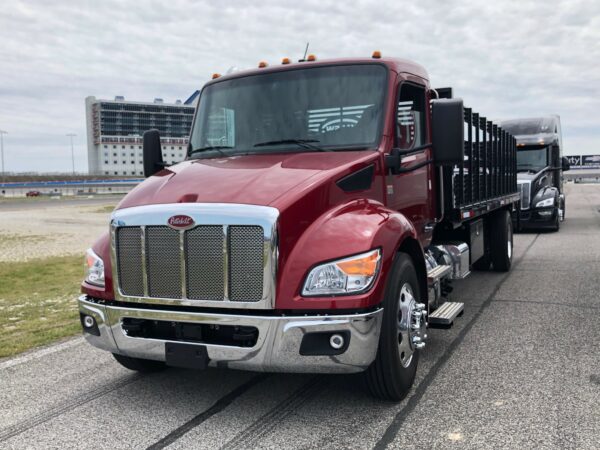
(250, 179)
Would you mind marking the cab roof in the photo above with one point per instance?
(397, 65)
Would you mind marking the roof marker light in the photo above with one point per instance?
(311, 57)
(285, 60)
(262, 64)
(215, 75)
(376, 54)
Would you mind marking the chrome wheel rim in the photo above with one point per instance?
(411, 324)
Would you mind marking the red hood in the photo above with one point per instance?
(251, 179)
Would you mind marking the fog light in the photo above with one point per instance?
(336, 341)
(545, 213)
(88, 321)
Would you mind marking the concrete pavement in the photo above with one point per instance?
(520, 369)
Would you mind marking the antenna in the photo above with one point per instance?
(305, 52)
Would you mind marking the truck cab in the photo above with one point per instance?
(540, 167)
(321, 214)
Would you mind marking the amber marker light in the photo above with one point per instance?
(215, 75)
(285, 61)
(365, 265)
(311, 57)
(376, 54)
(262, 64)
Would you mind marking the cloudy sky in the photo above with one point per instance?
(505, 58)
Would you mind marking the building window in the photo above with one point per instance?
(132, 162)
(122, 146)
(115, 154)
(131, 146)
(106, 154)
(172, 155)
(106, 172)
(132, 155)
(115, 162)
(114, 146)
(106, 146)
(105, 162)
(116, 173)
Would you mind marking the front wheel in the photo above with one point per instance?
(403, 332)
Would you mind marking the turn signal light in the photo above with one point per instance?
(215, 75)
(311, 57)
(285, 61)
(262, 64)
(376, 54)
(365, 266)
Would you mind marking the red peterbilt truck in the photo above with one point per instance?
(316, 225)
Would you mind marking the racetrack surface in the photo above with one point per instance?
(520, 369)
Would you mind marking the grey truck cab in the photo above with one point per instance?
(540, 164)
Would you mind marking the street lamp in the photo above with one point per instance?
(2, 133)
(72, 135)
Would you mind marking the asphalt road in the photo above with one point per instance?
(520, 369)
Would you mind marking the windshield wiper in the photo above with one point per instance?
(304, 143)
(218, 148)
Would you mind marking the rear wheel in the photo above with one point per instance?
(556, 224)
(483, 263)
(501, 241)
(403, 332)
(138, 364)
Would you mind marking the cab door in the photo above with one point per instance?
(411, 191)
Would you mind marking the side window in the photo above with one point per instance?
(221, 128)
(410, 119)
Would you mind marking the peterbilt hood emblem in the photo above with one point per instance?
(181, 222)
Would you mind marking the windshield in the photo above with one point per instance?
(532, 159)
(529, 126)
(314, 109)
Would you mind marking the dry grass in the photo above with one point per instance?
(38, 302)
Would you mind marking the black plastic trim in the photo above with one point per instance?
(361, 180)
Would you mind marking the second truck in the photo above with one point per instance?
(316, 225)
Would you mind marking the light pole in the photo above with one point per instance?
(72, 135)
(2, 133)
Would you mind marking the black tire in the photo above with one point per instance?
(501, 241)
(386, 378)
(483, 263)
(556, 225)
(138, 364)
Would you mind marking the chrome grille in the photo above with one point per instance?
(525, 192)
(163, 262)
(129, 253)
(205, 263)
(246, 255)
(208, 262)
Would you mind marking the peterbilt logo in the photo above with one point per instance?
(180, 222)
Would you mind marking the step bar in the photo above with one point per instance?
(444, 316)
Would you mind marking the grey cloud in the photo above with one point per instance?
(505, 58)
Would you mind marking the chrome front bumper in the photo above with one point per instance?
(277, 347)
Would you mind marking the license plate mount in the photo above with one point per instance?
(186, 356)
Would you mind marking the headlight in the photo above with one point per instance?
(344, 276)
(545, 203)
(94, 269)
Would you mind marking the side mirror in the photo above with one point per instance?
(153, 161)
(566, 165)
(448, 119)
